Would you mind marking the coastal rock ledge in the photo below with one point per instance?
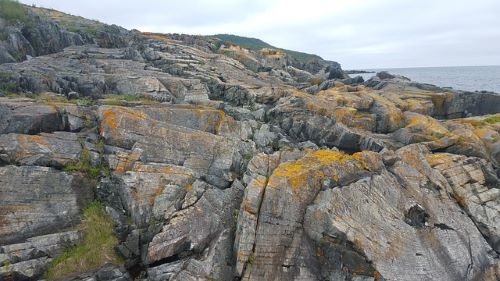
(139, 156)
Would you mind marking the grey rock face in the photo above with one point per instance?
(30, 259)
(476, 188)
(223, 163)
(108, 272)
(215, 156)
(193, 228)
(55, 150)
(29, 118)
(336, 238)
(37, 200)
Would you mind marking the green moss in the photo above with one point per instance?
(3, 35)
(8, 87)
(492, 119)
(12, 11)
(248, 156)
(84, 102)
(72, 27)
(96, 249)
(251, 258)
(122, 100)
(85, 166)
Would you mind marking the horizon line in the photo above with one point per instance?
(405, 67)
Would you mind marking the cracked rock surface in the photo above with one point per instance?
(215, 162)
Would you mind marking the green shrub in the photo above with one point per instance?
(84, 101)
(85, 166)
(12, 11)
(492, 119)
(8, 87)
(96, 249)
(122, 100)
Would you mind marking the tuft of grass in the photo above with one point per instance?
(122, 100)
(85, 166)
(50, 99)
(54, 99)
(84, 102)
(12, 11)
(7, 83)
(492, 119)
(96, 249)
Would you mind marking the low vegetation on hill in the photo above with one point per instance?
(12, 11)
(257, 44)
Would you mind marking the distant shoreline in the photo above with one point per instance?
(466, 78)
(357, 71)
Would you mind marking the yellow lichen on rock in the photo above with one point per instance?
(312, 167)
(438, 159)
(428, 127)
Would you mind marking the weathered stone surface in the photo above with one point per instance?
(26, 117)
(276, 249)
(193, 228)
(108, 272)
(215, 156)
(31, 258)
(412, 224)
(476, 188)
(37, 200)
(147, 190)
(55, 150)
(226, 163)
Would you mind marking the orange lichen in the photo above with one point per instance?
(317, 104)
(248, 207)
(25, 140)
(315, 81)
(486, 134)
(109, 119)
(159, 190)
(345, 115)
(158, 37)
(461, 201)
(439, 100)
(394, 250)
(438, 158)
(170, 170)
(113, 115)
(126, 163)
(272, 53)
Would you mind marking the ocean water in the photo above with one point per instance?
(468, 78)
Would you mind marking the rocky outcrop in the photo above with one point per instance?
(211, 161)
(448, 104)
(303, 219)
(36, 34)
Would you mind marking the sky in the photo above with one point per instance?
(359, 34)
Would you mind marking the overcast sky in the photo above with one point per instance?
(356, 33)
